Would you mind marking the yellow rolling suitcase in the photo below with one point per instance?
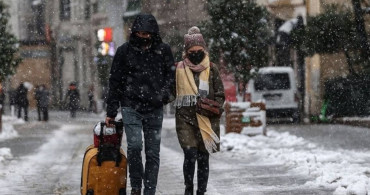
(104, 168)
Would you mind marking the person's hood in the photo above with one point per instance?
(145, 22)
(148, 23)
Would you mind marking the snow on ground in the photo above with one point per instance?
(4, 154)
(169, 123)
(346, 171)
(12, 119)
(8, 132)
(44, 161)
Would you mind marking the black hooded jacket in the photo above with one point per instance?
(141, 79)
(22, 99)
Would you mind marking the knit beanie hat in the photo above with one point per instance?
(194, 38)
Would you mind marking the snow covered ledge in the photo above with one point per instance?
(355, 121)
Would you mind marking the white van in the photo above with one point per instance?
(276, 86)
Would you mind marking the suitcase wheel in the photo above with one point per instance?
(122, 191)
(90, 192)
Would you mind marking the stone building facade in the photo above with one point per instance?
(61, 35)
(27, 24)
(74, 30)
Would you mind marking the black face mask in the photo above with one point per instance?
(196, 57)
(143, 41)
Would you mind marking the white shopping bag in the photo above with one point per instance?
(106, 130)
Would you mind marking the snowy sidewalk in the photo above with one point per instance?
(277, 164)
(239, 171)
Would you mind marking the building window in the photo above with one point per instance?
(65, 10)
(39, 19)
(134, 5)
(87, 10)
(95, 7)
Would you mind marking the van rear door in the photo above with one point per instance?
(276, 89)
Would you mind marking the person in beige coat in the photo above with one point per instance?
(198, 135)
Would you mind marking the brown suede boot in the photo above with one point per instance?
(136, 192)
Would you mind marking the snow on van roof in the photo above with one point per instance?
(275, 69)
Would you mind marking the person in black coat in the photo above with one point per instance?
(22, 101)
(37, 98)
(141, 78)
(42, 100)
(92, 103)
(74, 99)
(2, 99)
(12, 94)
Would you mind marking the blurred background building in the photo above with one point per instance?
(28, 24)
(59, 44)
(318, 68)
(58, 41)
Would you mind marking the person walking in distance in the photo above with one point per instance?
(12, 101)
(43, 104)
(2, 99)
(141, 78)
(22, 101)
(37, 98)
(92, 103)
(74, 98)
(199, 134)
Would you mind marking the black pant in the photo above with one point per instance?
(25, 108)
(136, 125)
(39, 112)
(44, 112)
(191, 156)
(73, 113)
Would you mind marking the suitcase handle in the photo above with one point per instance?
(117, 124)
(119, 129)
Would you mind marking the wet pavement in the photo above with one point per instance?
(40, 167)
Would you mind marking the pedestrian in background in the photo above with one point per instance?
(12, 101)
(2, 99)
(37, 98)
(22, 101)
(73, 98)
(92, 102)
(140, 79)
(198, 135)
(42, 100)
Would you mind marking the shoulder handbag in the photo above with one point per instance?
(207, 107)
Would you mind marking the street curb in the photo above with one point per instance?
(357, 123)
